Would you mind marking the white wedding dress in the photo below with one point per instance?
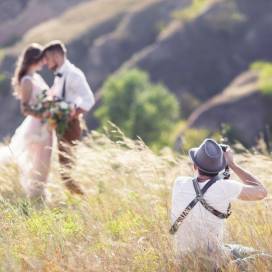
(31, 146)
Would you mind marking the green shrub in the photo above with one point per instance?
(138, 107)
(225, 19)
(265, 76)
(187, 138)
(194, 137)
(192, 11)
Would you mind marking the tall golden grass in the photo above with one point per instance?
(122, 223)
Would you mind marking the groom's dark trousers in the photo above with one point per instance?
(65, 144)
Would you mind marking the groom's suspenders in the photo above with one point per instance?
(199, 198)
(63, 93)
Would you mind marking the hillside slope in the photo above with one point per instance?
(138, 30)
(203, 55)
(241, 104)
(18, 16)
(76, 21)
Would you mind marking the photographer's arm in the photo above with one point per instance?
(253, 188)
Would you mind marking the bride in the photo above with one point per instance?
(31, 145)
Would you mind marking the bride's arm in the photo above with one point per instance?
(26, 93)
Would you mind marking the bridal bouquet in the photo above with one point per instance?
(53, 111)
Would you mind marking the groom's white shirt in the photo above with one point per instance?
(77, 89)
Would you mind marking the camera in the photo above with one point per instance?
(226, 173)
(224, 147)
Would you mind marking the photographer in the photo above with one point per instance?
(200, 205)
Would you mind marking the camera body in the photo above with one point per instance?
(226, 173)
(224, 147)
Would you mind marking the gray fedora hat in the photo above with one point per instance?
(208, 157)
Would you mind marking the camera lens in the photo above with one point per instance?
(224, 147)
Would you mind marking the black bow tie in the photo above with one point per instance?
(58, 75)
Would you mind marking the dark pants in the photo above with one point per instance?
(244, 256)
(240, 256)
(66, 158)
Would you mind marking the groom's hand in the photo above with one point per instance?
(73, 113)
(76, 112)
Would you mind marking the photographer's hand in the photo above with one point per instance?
(76, 112)
(229, 156)
(254, 189)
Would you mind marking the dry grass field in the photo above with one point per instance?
(122, 222)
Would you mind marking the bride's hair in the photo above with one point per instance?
(31, 55)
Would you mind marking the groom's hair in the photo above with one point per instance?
(55, 46)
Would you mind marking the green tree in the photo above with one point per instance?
(139, 107)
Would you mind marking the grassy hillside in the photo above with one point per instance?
(249, 92)
(122, 223)
(18, 16)
(76, 21)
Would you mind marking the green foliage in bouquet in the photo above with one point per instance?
(54, 112)
(58, 116)
(139, 107)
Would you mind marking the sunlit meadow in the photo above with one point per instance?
(122, 223)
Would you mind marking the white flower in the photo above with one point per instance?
(63, 105)
(38, 106)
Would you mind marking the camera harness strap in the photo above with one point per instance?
(200, 198)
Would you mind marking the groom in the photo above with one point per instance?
(70, 84)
